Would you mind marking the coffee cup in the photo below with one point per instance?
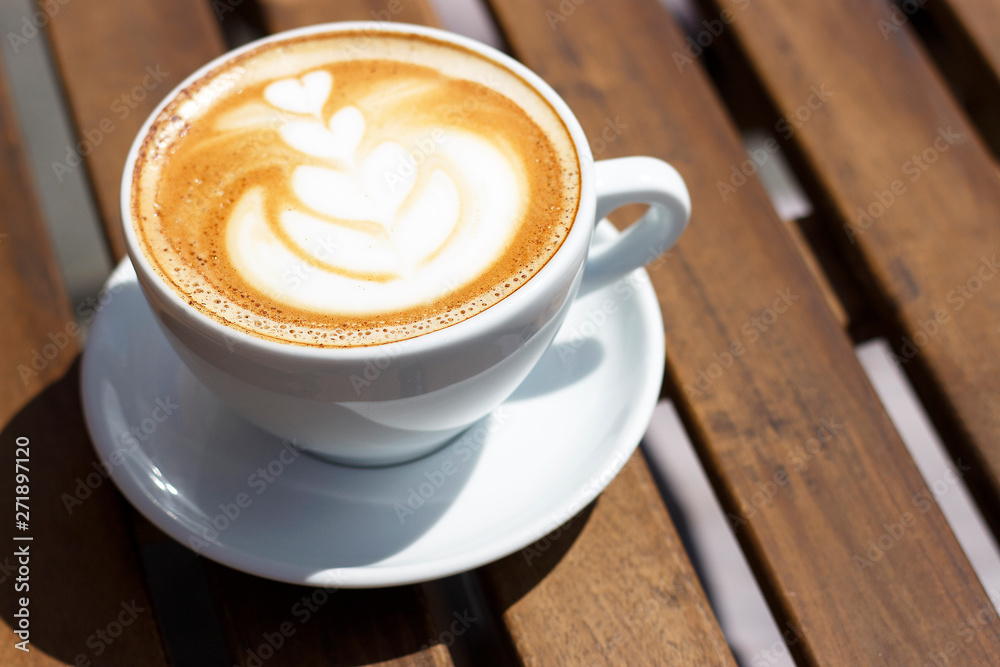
(429, 306)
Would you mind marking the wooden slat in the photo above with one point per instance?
(83, 565)
(117, 59)
(929, 252)
(178, 37)
(288, 14)
(751, 112)
(630, 553)
(389, 627)
(613, 586)
(755, 386)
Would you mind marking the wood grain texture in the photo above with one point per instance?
(287, 14)
(621, 529)
(929, 250)
(174, 39)
(82, 562)
(33, 299)
(383, 627)
(320, 627)
(611, 586)
(117, 60)
(858, 564)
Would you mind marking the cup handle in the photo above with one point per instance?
(630, 180)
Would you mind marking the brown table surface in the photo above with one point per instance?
(889, 117)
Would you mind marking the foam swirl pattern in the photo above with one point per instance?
(324, 194)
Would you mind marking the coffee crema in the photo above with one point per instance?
(346, 190)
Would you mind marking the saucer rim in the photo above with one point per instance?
(373, 575)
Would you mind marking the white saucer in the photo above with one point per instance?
(511, 479)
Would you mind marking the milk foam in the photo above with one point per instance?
(325, 206)
(430, 235)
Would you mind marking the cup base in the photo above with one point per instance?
(540, 457)
(382, 460)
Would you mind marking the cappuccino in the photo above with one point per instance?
(348, 190)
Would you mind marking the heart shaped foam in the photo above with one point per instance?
(306, 95)
(374, 192)
(338, 142)
(417, 234)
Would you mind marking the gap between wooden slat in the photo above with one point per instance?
(747, 421)
(963, 37)
(916, 254)
(80, 566)
(74, 230)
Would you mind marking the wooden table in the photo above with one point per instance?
(889, 117)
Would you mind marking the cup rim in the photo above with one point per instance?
(576, 242)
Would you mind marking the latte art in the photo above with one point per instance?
(396, 233)
(314, 195)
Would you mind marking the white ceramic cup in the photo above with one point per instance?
(390, 403)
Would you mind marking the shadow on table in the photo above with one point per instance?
(318, 626)
(81, 578)
(523, 570)
(483, 595)
(89, 587)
